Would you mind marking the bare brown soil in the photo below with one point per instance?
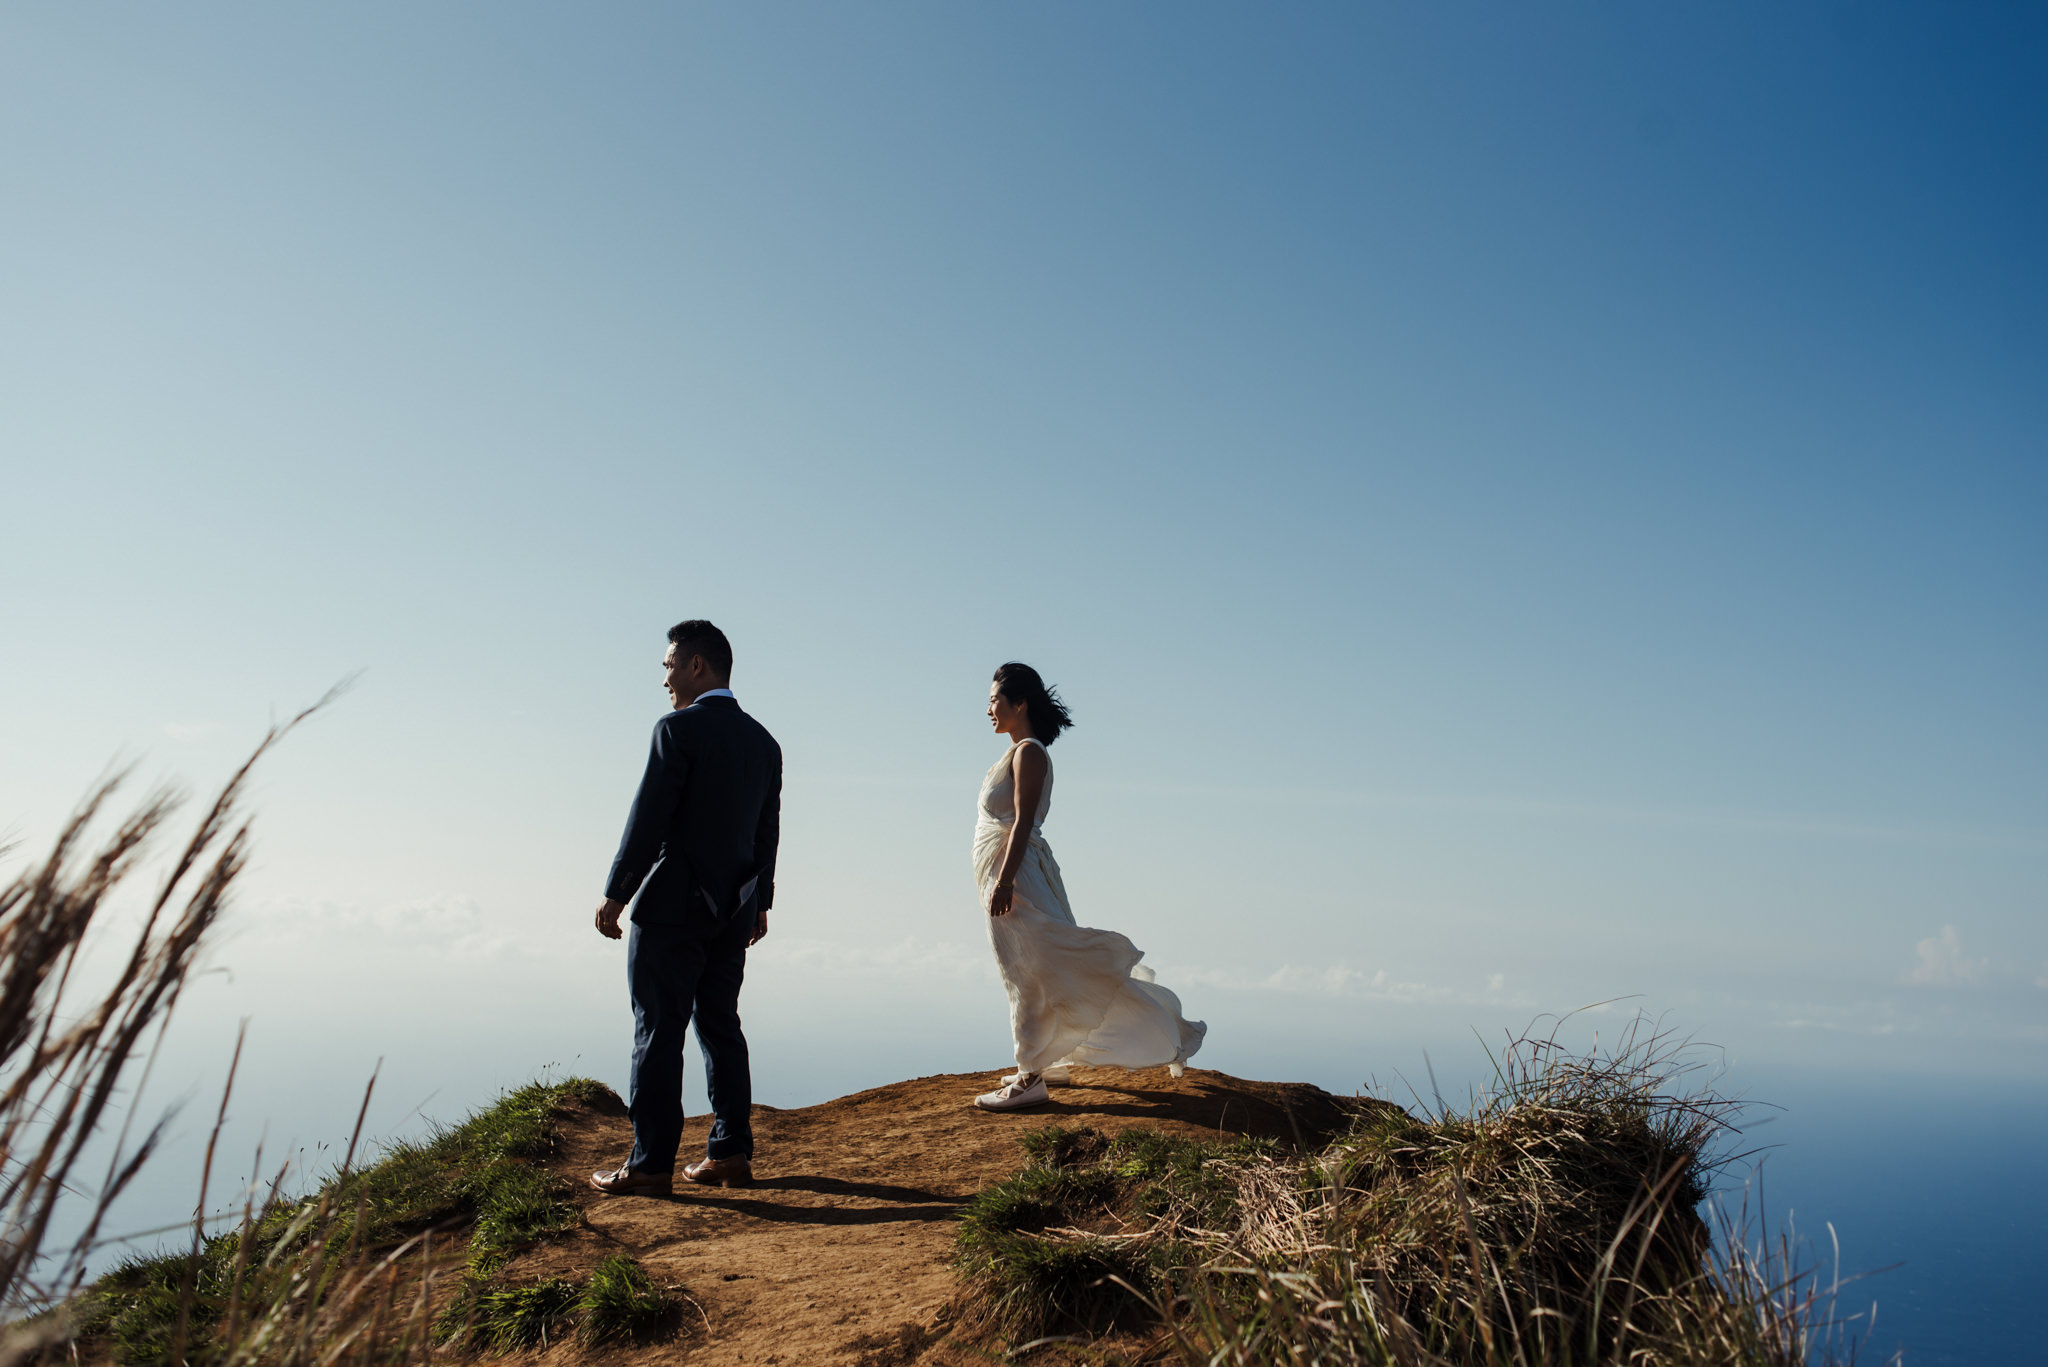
(840, 1252)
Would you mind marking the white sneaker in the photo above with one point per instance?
(1052, 1077)
(1011, 1097)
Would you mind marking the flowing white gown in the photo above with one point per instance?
(1077, 996)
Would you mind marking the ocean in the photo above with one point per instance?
(1938, 1194)
(1934, 1187)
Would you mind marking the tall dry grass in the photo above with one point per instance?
(293, 1285)
(1554, 1218)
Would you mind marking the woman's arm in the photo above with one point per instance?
(1028, 768)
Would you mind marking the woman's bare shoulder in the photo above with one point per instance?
(1030, 757)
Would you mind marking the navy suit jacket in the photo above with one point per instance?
(700, 840)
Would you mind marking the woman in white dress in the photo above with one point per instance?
(1077, 996)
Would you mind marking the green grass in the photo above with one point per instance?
(135, 1307)
(482, 1176)
(483, 1170)
(1063, 1246)
(621, 1304)
(1554, 1220)
(506, 1318)
(359, 1267)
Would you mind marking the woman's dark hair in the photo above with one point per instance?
(1048, 715)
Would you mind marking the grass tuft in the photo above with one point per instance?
(484, 1169)
(135, 1308)
(618, 1304)
(507, 1318)
(1061, 1245)
(483, 1173)
(1553, 1220)
(622, 1304)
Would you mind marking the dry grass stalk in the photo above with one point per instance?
(364, 1270)
(67, 1052)
(62, 1062)
(1553, 1219)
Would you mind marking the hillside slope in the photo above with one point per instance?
(840, 1252)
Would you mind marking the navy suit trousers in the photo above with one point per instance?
(677, 974)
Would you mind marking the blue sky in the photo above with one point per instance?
(1528, 507)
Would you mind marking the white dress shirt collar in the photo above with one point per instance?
(712, 693)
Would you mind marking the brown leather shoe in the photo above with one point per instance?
(626, 1182)
(721, 1172)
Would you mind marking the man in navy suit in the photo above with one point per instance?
(699, 850)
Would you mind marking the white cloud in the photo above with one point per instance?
(1941, 962)
(908, 956)
(912, 957)
(1337, 980)
(1837, 1027)
(453, 925)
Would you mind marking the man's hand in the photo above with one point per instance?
(760, 928)
(1001, 900)
(608, 913)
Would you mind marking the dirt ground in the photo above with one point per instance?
(840, 1252)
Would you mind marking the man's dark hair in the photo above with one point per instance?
(1042, 706)
(698, 637)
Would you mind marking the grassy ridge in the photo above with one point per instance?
(1554, 1220)
(481, 1182)
(1081, 1238)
